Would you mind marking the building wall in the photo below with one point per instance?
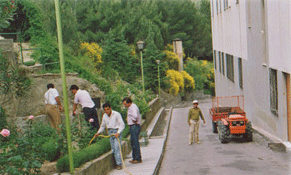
(278, 15)
(258, 32)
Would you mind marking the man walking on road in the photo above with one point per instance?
(83, 98)
(193, 121)
(134, 121)
(114, 123)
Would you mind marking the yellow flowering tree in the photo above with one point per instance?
(92, 51)
(171, 58)
(189, 82)
(176, 81)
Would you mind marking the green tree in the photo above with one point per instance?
(117, 59)
(204, 45)
(203, 73)
(151, 55)
(7, 8)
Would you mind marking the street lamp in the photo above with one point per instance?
(158, 62)
(140, 45)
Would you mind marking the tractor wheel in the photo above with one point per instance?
(249, 132)
(224, 134)
(214, 127)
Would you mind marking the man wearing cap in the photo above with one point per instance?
(193, 120)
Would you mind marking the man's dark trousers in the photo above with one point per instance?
(134, 139)
(92, 113)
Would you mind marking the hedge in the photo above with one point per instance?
(87, 154)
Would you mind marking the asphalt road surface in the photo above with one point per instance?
(214, 158)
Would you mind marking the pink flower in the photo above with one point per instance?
(31, 117)
(91, 120)
(5, 132)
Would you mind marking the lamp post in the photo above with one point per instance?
(140, 45)
(158, 62)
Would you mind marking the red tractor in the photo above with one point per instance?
(229, 118)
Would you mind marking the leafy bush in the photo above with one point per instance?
(29, 63)
(24, 150)
(6, 8)
(3, 120)
(203, 73)
(50, 149)
(188, 81)
(14, 80)
(172, 59)
(87, 154)
(176, 81)
(93, 51)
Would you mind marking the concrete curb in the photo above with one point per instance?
(273, 142)
(164, 143)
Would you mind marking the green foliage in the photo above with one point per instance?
(3, 119)
(50, 149)
(29, 63)
(89, 153)
(117, 25)
(13, 80)
(128, 90)
(189, 83)
(24, 150)
(116, 58)
(203, 73)
(151, 55)
(7, 9)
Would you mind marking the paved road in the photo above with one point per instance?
(213, 158)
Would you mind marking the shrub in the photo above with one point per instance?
(29, 63)
(203, 73)
(189, 83)
(80, 157)
(172, 59)
(50, 149)
(176, 81)
(93, 51)
(3, 120)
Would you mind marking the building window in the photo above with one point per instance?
(214, 58)
(273, 92)
(212, 5)
(222, 62)
(220, 6)
(240, 73)
(219, 61)
(216, 6)
(225, 4)
(229, 67)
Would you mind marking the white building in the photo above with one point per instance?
(252, 56)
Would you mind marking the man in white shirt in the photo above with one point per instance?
(83, 98)
(53, 106)
(115, 125)
(134, 121)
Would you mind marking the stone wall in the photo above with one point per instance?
(32, 103)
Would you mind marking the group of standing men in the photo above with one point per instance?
(111, 119)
